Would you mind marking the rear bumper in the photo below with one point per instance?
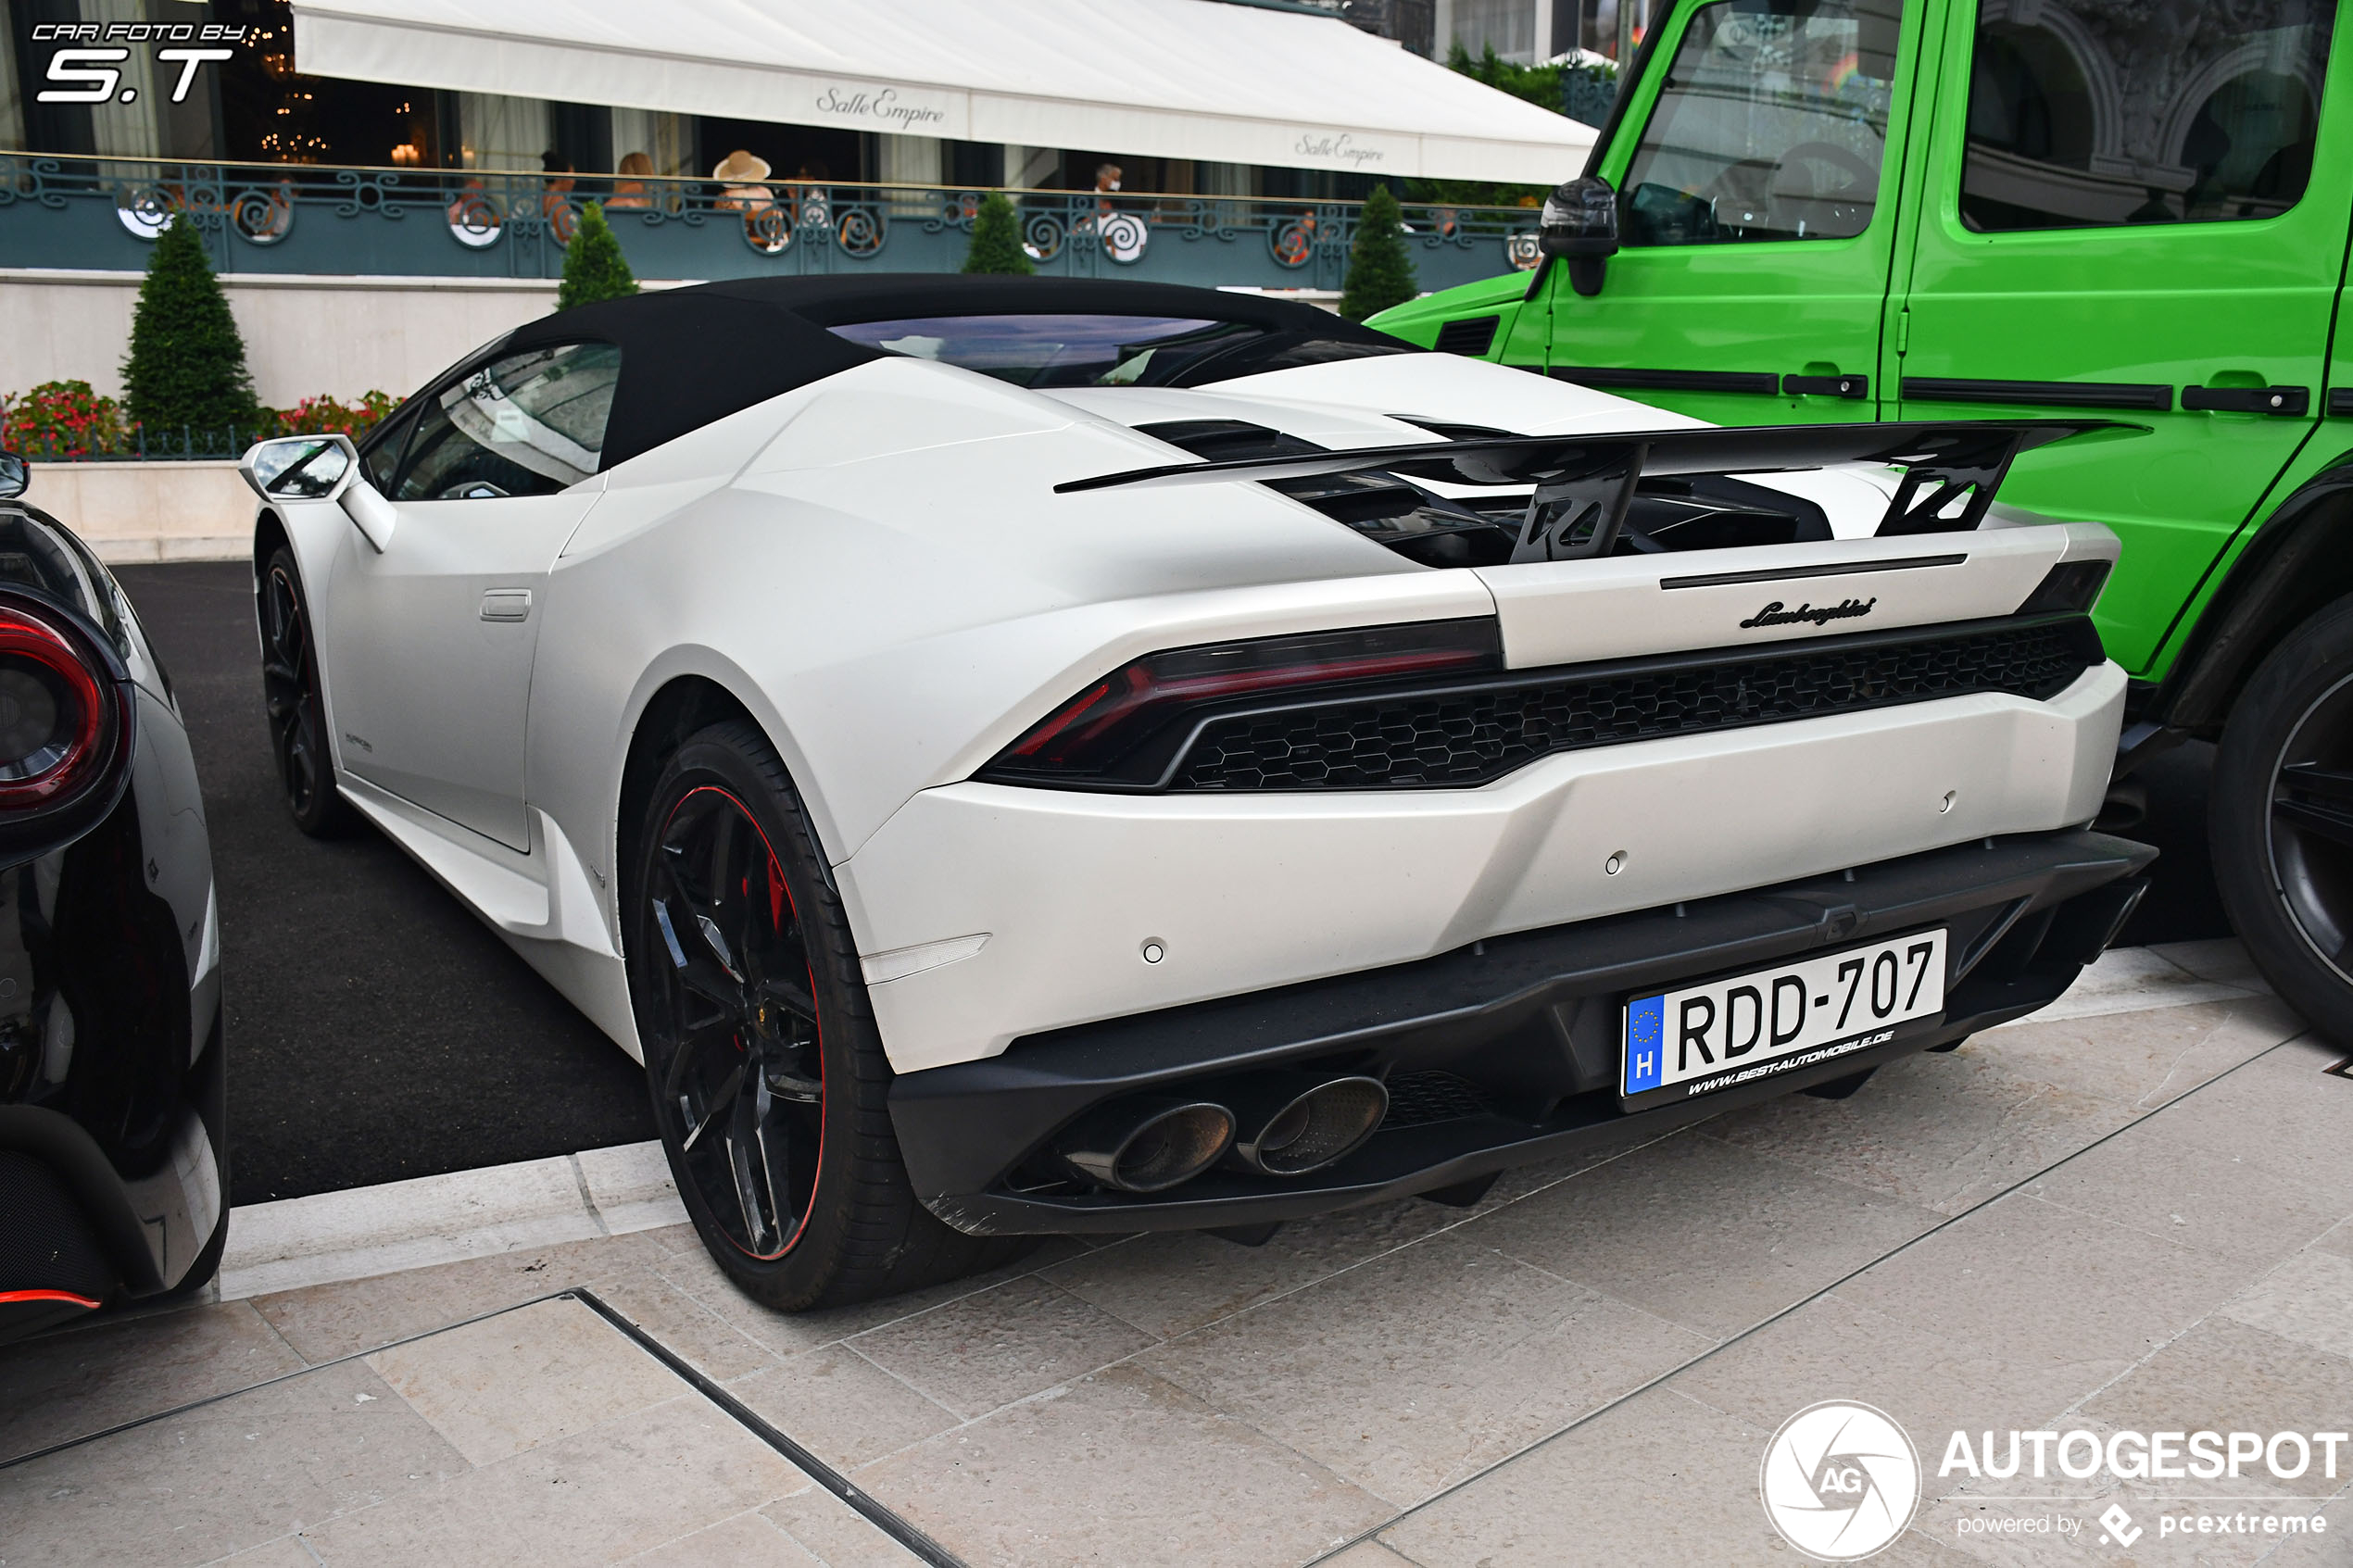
(989, 913)
(1501, 1053)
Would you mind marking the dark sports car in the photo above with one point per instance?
(113, 1176)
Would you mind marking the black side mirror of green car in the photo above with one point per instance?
(1579, 224)
(14, 474)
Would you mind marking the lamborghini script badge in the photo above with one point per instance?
(1776, 614)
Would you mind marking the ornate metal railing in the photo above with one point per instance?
(104, 213)
(138, 444)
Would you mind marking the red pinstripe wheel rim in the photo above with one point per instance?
(735, 1042)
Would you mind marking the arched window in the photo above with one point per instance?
(2251, 143)
(2142, 111)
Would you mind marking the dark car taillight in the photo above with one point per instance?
(64, 725)
(2070, 585)
(1125, 730)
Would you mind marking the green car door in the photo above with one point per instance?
(1758, 216)
(2133, 207)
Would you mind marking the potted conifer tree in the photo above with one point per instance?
(594, 267)
(184, 378)
(996, 239)
(1381, 274)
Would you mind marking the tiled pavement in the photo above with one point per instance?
(2102, 1219)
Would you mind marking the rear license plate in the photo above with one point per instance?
(1749, 1026)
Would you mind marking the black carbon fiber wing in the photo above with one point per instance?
(1583, 483)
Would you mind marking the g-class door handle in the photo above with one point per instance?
(2289, 400)
(506, 604)
(1826, 386)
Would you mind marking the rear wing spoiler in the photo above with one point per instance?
(1585, 482)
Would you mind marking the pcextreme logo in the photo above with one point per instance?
(1839, 1481)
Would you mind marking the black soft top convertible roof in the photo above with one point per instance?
(691, 355)
(887, 296)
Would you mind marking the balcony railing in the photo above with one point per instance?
(104, 213)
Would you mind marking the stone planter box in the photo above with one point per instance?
(150, 511)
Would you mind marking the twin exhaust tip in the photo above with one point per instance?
(1292, 1126)
(1146, 1144)
(1277, 1126)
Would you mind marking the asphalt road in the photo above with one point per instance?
(377, 1031)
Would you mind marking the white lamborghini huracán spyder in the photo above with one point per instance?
(1017, 755)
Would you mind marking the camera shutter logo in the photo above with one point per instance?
(1839, 1481)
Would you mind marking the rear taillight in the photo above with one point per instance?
(2070, 585)
(1128, 729)
(63, 717)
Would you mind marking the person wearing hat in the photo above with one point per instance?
(740, 192)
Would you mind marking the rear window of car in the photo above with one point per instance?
(2099, 113)
(1103, 350)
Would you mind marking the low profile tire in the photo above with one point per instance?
(2280, 819)
(297, 715)
(767, 1074)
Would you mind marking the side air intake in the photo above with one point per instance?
(1473, 336)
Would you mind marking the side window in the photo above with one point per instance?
(529, 424)
(2105, 112)
(379, 454)
(1771, 125)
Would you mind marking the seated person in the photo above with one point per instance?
(474, 208)
(554, 202)
(629, 190)
(739, 173)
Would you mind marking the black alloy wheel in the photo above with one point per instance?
(736, 1012)
(2282, 819)
(768, 1083)
(297, 713)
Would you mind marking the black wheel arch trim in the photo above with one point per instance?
(2269, 590)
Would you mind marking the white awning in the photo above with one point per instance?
(1185, 79)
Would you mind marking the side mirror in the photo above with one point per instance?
(300, 468)
(15, 475)
(1579, 224)
(320, 468)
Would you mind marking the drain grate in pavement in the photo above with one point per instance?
(912, 1541)
(825, 1474)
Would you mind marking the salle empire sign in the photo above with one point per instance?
(876, 105)
(1340, 147)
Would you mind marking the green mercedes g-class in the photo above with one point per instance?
(1808, 211)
